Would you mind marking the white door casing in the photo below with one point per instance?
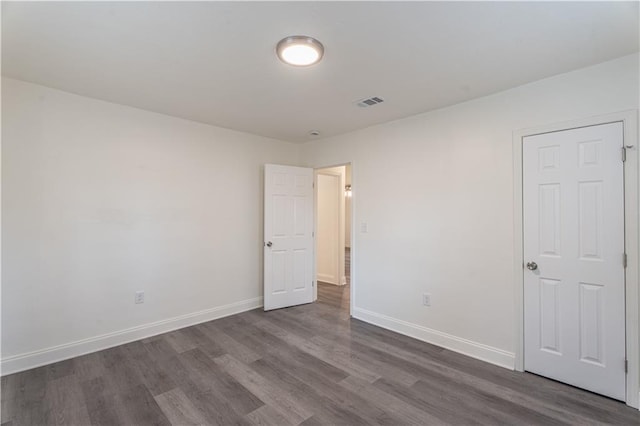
(573, 222)
(288, 236)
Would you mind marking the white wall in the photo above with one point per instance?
(436, 191)
(100, 200)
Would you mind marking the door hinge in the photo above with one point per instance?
(626, 366)
(624, 260)
(624, 154)
(313, 234)
(313, 283)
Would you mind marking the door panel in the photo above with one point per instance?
(574, 232)
(288, 236)
(549, 231)
(550, 315)
(591, 324)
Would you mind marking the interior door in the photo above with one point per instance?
(574, 257)
(288, 236)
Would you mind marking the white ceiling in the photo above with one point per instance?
(215, 62)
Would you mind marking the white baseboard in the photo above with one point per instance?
(26, 361)
(467, 347)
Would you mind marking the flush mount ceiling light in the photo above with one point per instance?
(299, 51)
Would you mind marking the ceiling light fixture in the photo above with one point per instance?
(300, 51)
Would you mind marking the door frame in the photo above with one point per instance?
(629, 120)
(352, 273)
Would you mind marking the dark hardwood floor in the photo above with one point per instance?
(347, 264)
(309, 364)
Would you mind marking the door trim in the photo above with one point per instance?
(632, 302)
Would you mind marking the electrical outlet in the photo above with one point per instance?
(139, 297)
(364, 228)
(426, 299)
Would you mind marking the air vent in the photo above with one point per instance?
(364, 103)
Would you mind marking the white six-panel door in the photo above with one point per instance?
(288, 236)
(574, 311)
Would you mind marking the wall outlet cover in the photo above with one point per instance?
(426, 299)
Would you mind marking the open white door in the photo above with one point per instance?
(574, 294)
(288, 236)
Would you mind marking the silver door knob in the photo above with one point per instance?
(269, 244)
(532, 266)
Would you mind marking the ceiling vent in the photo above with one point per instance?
(364, 103)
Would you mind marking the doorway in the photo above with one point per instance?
(576, 253)
(333, 235)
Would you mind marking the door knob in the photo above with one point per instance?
(532, 266)
(269, 244)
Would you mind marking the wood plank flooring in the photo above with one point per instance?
(307, 365)
(347, 264)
